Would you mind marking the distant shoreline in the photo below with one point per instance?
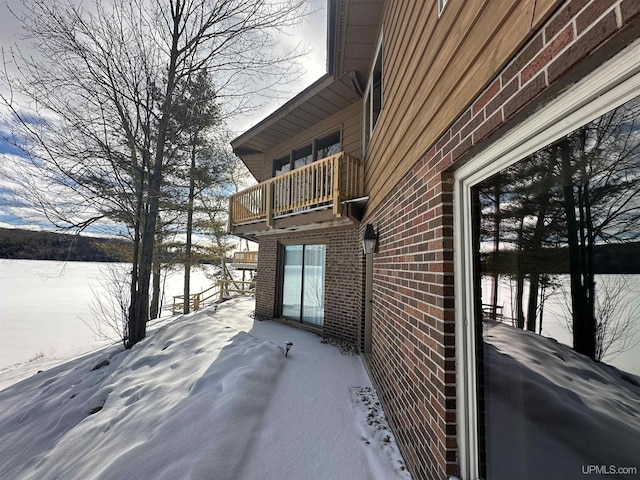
(18, 244)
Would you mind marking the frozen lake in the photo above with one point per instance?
(45, 306)
(556, 311)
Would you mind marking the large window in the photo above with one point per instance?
(327, 146)
(558, 250)
(318, 149)
(548, 268)
(372, 99)
(303, 283)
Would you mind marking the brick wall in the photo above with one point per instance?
(413, 358)
(266, 277)
(344, 272)
(413, 326)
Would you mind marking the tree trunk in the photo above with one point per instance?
(532, 307)
(590, 345)
(583, 333)
(535, 248)
(187, 250)
(542, 299)
(140, 309)
(496, 248)
(520, 278)
(135, 261)
(519, 298)
(155, 297)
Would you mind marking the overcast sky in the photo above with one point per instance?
(311, 32)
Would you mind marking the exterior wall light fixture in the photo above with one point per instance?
(369, 239)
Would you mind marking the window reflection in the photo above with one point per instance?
(281, 166)
(558, 252)
(303, 283)
(327, 146)
(302, 156)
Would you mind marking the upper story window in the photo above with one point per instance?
(302, 156)
(318, 149)
(327, 146)
(373, 98)
(281, 165)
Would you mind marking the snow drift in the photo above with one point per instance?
(207, 396)
(550, 412)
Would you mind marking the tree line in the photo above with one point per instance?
(572, 207)
(43, 245)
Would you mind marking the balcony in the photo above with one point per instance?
(245, 260)
(309, 196)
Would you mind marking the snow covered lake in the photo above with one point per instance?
(626, 289)
(45, 306)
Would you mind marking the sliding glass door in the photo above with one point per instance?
(547, 293)
(303, 283)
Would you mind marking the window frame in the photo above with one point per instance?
(309, 143)
(609, 86)
(367, 97)
(304, 243)
(441, 5)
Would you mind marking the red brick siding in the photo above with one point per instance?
(266, 277)
(413, 359)
(344, 271)
(413, 352)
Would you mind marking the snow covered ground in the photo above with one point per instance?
(206, 396)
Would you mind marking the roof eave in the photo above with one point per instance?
(296, 101)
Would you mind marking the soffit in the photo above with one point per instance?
(353, 27)
(357, 30)
(324, 98)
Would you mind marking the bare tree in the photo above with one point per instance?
(615, 314)
(110, 304)
(617, 329)
(100, 100)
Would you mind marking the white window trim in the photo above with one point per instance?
(611, 85)
(371, 128)
(441, 5)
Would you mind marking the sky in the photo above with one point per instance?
(310, 33)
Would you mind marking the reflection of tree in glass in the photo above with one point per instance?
(617, 328)
(515, 216)
(550, 211)
(599, 165)
(313, 300)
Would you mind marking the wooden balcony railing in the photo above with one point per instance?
(245, 257)
(322, 184)
(214, 294)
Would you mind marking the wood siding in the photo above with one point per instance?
(348, 121)
(433, 69)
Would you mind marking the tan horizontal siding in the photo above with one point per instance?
(352, 133)
(433, 69)
(348, 120)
